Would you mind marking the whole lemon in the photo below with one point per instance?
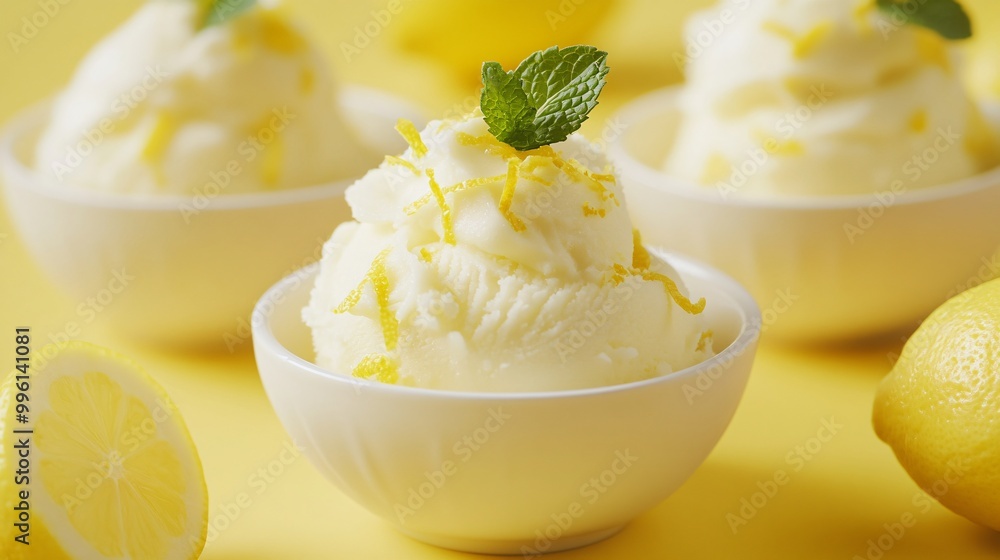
(463, 34)
(939, 408)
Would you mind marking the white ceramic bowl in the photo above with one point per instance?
(815, 278)
(155, 269)
(498, 472)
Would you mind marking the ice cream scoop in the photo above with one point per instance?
(168, 104)
(825, 97)
(474, 266)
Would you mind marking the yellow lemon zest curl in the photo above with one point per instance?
(409, 132)
(620, 273)
(378, 367)
(379, 278)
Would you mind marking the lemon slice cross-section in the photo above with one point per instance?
(111, 470)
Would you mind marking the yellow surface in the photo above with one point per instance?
(839, 494)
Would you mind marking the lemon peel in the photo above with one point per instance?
(414, 206)
(396, 160)
(938, 407)
(164, 128)
(590, 211)
(692, 308)
(272, 161)
(507, 197)
(703, 340)
(379, 278)
(447, 221)
(640, 257)
(379, 367)
(862, 13)
(802, 45)
(409, 132)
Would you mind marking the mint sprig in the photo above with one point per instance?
(221, 11)
(946, 17)
(546, 98)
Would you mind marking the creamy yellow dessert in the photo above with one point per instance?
(822, 97)
(473, 265)
(171, 102)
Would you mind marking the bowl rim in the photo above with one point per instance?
(663, 99)
(749, 333)
(29, 121)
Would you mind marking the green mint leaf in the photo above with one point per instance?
(505, 105)
(946, 17)
(221, 11)
(546, 98)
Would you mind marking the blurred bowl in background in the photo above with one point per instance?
(822, 268)
(506, 473)
(178, 269)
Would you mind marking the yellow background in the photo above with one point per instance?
(844, 495)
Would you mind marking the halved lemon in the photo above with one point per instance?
(104, 467)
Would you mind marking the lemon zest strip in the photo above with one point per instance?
(802, 45)
(703, 340)
(396, 160)
(379, 278)
(589, 211)
(158, 142)
(672, 290)
(379, 367)
(640, 257)
(412, 207)
(409, 132)
(447, 223)
(507, 197)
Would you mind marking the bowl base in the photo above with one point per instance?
(526, 548)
